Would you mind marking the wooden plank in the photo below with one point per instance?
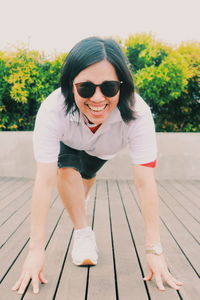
(55, 255)
(18, 257)
(18, 240)
(101, 277)
(12, 187)
(129, 277)
(73, 280)
(98, 282)
(12, 207)
(194, 187)
(136, 223)
(179, 265)
(183, 197)
(14, 224)
(3, 181)
(172, 199)
(13, 195)
(5, 188)
(183, 237)
(195, 184)
(189, 195)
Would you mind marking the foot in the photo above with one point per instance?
(84, 251)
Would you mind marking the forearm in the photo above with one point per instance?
(39, 211)
(149, 202)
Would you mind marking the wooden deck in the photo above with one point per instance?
(115, 215)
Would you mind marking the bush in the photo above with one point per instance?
(143, 51)
(27, 78)
(167, 79)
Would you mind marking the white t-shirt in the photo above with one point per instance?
(54, 125)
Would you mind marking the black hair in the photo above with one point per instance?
(88, 52)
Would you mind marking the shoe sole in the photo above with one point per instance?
(86, 262)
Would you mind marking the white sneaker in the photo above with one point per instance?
(84, 251)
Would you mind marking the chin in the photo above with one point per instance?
(97, 120)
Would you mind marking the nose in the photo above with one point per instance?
(98, 96)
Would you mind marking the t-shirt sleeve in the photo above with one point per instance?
(47, 135)
(142, 139)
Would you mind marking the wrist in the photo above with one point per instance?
(155, 249)
(39, 245)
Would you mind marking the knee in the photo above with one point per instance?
(67, 173)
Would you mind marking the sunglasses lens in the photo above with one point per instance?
(86, 89)
(110, 88)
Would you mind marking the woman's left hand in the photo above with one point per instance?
(157, 267)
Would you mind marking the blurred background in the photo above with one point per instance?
(161, 40)
(56, 25)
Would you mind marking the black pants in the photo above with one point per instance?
(87, 165)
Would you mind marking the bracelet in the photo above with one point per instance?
(154, 249)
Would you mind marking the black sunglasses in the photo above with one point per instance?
(108, 88)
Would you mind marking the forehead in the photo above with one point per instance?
(97, 73)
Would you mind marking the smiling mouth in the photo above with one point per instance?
(97, 108)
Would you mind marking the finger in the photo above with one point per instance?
(35, 285)
(159, 282)
(170, 282)
(42, 278)
(149, 276)
(18, 283)
(23, 285)
(177, 281)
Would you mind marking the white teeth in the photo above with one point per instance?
(97, 108)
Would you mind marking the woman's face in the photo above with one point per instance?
(98, 107)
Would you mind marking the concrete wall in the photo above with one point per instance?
(178, 157)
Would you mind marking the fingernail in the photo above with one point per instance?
(44, 281)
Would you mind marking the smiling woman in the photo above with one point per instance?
(91, 99)
(81, 125)
(99, 60)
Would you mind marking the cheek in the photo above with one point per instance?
(115, 101)
(78, 100)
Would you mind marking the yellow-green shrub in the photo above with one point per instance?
(168, 79)
(28, 77)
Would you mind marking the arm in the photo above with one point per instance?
(34, 262)
(147, 191)
(146, 188)
(44, 181)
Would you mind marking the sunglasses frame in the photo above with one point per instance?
(100, 85)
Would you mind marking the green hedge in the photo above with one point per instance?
(26, 79)
(166, 77)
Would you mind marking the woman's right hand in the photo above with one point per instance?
(33, 268)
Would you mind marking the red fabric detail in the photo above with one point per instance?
(94, 129)
(150, 165)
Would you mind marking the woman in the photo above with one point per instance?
(78, 128)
